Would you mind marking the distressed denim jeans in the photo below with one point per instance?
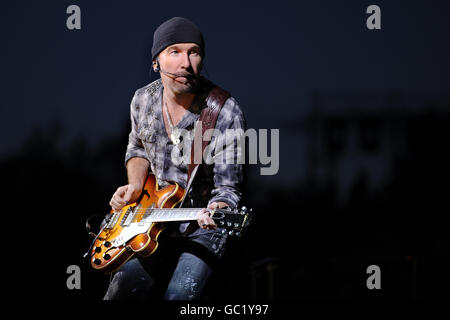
(174, 272)
(189, 278)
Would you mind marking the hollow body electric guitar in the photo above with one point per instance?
(135, 229)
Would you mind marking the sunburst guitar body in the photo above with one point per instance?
(135, 229)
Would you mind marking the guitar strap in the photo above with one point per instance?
(208, 117)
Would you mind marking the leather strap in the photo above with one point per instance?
(208, 117)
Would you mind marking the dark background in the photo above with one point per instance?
(364, 127)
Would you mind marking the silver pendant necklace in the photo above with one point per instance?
(174, 132)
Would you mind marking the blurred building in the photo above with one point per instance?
(358, 140)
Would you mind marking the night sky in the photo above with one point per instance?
(269, 55)
(273, 56)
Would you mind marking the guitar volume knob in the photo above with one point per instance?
(97, 261)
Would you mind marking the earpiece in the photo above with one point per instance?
(157, 68)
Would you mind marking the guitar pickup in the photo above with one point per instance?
(126, 218)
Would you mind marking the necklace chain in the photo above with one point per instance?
(174, 134)
(168, 117)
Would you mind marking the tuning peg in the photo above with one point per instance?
(231, 233)
(244, 209)
(224, 231)
(238, 234)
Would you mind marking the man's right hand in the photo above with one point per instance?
(124, 195)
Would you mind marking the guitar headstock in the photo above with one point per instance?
(233, 221)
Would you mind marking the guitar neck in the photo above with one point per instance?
(137, 219)
(150, 215)
(172, 214)
(142, 216)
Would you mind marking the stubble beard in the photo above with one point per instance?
(188, 87)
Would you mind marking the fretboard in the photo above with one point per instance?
(149, 215)
(164, 215)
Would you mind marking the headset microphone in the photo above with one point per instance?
(188, 76)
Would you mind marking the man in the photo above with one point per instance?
(161, 110)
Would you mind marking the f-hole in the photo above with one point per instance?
(145, 192)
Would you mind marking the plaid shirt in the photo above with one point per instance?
(148, 139)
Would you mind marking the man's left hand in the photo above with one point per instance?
(204, 217)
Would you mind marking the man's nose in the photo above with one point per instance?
(186, 62)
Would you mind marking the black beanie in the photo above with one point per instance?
(176, 30)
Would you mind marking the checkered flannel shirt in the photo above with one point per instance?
(148, 139)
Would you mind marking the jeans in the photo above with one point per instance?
(178, 270)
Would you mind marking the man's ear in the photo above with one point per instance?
(156, 67)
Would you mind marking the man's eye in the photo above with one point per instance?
(194, 52)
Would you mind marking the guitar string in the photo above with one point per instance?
(140, 213)
(181, 210)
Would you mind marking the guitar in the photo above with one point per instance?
(135, 229)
